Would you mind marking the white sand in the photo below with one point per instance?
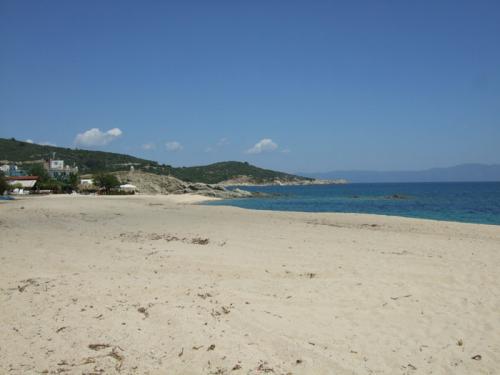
(270, 292)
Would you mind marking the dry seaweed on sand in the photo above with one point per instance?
(98, 346)
(143, 311)
(200, 241)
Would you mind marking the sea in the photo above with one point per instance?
(469, 202)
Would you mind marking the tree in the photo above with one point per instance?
(73, 180)
(39, 170)
(4, 185)
(106, 181)
(69, 183)
(51, 184)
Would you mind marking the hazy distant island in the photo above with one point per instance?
(459, 173)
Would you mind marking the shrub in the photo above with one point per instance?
(53, 185)
(3, 183)
(106, 181)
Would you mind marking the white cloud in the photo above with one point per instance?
(173, 146)
(115, 132)
(222, 142)
(264, 145)
(95, 137)
(148, 146)
(286, 151)
(47, 144)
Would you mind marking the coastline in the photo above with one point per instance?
(241, 183)
(158, 280)
(456, 202)
(372, 216)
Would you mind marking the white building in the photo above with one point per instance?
(58, 170)
(56, 165)
(128, 188)
(86, 181)
(27, 182)
(22, 184)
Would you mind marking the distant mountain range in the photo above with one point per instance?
(459, 173)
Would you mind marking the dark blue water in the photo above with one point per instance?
(472, 202)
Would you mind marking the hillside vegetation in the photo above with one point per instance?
(229, 170)
(88, 161)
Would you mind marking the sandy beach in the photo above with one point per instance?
(158, 285)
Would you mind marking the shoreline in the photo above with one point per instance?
(472, 203)
(352, 213)
(302, 183)
(343, 213)
(202, 200)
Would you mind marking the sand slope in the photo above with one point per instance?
(154, 285)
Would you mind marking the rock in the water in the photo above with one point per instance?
(398, 196)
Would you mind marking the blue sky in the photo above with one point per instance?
(291, 85)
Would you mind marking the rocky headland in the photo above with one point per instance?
(152, 184)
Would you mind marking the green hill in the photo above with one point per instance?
(88, 161)
(228, 170)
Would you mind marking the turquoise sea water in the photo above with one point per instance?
(472, 202)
